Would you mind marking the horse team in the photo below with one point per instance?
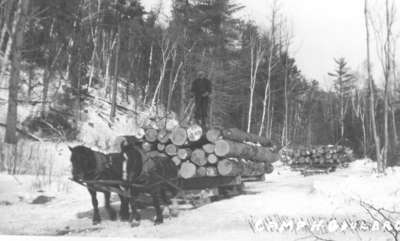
(153, 173)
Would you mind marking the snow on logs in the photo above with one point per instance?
(215, 152)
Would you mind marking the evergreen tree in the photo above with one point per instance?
(344, 86)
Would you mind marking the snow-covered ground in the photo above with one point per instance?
(283, 193)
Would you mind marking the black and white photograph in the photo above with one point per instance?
(268, 120)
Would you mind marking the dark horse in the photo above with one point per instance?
(150, 173)
(90, 165)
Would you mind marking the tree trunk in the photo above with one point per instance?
(11, 34)
(229, 167)
(171, 150)
(212, 159)
(151, 135)
(201, 172)
(178, 136)
(18, 40)
(211, 172)
(184, 153)
(194, 133)
(115, 79)
(225, 148)
(209, 148)
(163, 136)
(147, 87)
(187, 170)
(235, 134)
(176, 160)
(199, 157)
(46, 82)
(371, 91)
(31, 77)
(270, 57)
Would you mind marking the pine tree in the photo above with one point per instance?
(344, 85)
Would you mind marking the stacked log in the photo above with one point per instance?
(317, 157)
(200, 153)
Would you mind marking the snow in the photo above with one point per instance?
(283, 193)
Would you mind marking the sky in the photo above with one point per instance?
(322, 30)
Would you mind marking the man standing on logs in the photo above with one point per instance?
(201, 90)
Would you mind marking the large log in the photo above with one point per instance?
(146, 146)
(161, 123)
(194, 133)
(211, 171)
(235, 134)
(209, 148)
(163, 136)
(201, 171)
(198, 157)
(212, 158)
(213, 135)
(226, 148)
(171, 150)
(187, 170)
(229, 167)
(184, 153)
(151, 135)
(252, 168)
(178, 136)
(160, 147)
(171, 124)
(176, 160)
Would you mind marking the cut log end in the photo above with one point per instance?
(213, 135)
(151, 135)
(194, 133)
(171, 150)
(187, 170)
(228, 167)
(178, 136)
(199, 157)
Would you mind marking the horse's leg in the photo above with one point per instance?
(164, 197)
(95, 203)
(156, 203)
(124, 209)
(111, 212)
(134, 218)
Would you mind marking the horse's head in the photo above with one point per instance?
(83, 162)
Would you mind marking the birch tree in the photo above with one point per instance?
(271, 55)
(257, 52)
(167, 49)
(371, 88)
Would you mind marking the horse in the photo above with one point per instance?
(151, 173)
(90, 165)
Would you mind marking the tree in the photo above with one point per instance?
(17, 39)
(257, 52)
(344, 86)
(271, 56)
(371, 89)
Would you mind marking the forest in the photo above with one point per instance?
(57, 55)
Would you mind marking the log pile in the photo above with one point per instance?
(317, 157)
(214, 152)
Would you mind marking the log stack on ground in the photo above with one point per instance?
(209, 153)
(317, 157)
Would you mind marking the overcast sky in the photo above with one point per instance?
(322, 29)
